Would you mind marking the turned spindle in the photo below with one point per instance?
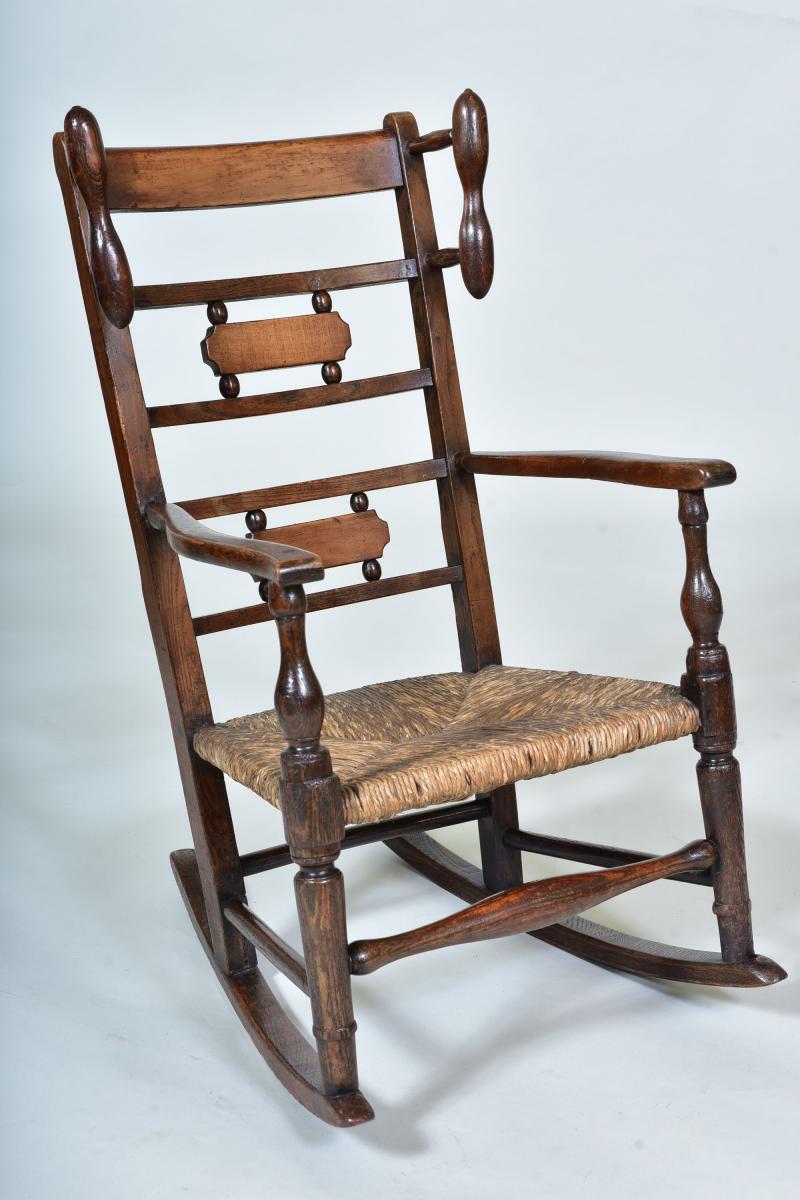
(708, 683)
(109, 265)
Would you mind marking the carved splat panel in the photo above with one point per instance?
(337, 541)
(278, 342)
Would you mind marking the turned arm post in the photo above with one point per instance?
(313, 818)
(708, 683)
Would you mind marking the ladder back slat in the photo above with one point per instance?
(188, 177)
(294, 400)
(269, 287)
(316, 489)
(336, 541)
(255, 614)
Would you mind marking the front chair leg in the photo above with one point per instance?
(313, 818)
(709, 685)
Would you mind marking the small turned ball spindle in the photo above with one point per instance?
(217, 313)
(359, 501)
(371, 570)
(321, 303)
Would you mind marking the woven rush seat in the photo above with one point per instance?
(412, 743)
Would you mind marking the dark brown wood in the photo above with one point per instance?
(471, 154)
(589, 852)
(439, 139)
(212, 877)
(271, 945)
(501, 861)
(643, 470)
(217, 856)
(266, 560)
(335, 541)
(442, 259)
(357, 593)
(109, 264)
(525, 908)
(274, 1034)
(313, 819)
(709, 685)
(586, 939)
(316, 489)
(462, 531)
(264, 287)
(296, 400)
(185, 177)
(441, 817)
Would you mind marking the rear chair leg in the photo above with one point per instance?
(501, 864)
(709, 685)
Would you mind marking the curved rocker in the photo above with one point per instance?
(280, 1044)
(586, 939)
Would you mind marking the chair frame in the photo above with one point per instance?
(211, 877)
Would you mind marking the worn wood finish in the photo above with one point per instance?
(335, 541)
(186, 177)
(211, 878)
(313, 819)
(271, 945)
(357, 593)
(283, 1048)
(709, 684)
(586, 939)
(471, 154)
(167, 608)
(316, 489)
(280, 342)
(526, 908)
(379, 831)
(643, 470)
(110, 271)
(589, 852)
(294, 400)
(266, 560)
(265, 287)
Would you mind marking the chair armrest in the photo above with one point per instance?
(284, 565)
(645, 470)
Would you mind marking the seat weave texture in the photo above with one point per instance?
(438, 738)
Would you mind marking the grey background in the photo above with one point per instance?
(644, 186)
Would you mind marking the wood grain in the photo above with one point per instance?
(357, 593)
(523, 909)
(293, 400)
(258, 287)
(242, 346)
(643, 470)
(335, 541)
(187, 177)
(317, 489)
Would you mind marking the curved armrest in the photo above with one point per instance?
(284, 565)
(645, 470)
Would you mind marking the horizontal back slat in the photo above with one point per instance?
(244, 346)
(316, 489)
(268, 287)
(187, 177)
(255, 614)
(294, 400)
(336, 541)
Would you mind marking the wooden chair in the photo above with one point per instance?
(391, 761)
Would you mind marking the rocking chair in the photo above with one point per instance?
(391, 761)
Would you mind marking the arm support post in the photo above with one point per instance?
(708, 683)
(313, 819)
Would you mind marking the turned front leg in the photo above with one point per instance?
(313, 818)
(708, 683)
